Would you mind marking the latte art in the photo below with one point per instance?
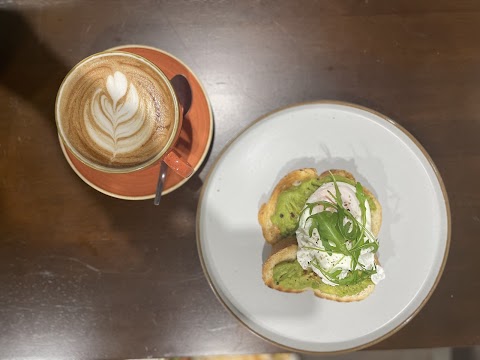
(120, 122)
(116, 111)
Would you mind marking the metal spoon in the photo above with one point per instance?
(184, 95)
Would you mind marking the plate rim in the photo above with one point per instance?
(430, 162)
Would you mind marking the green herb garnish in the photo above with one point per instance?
(341, 233)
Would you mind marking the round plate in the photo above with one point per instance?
(193, 143)
(414, 238)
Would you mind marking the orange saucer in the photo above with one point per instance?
(193, 143)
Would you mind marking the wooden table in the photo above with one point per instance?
(83, 275)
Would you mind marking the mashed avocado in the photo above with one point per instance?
(290, 275)
(291, 201)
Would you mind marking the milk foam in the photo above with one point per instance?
(119, 121)
(116, 111)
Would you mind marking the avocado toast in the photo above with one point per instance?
(323, 230)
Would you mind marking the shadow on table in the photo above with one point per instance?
(28, 67)
(30, 73)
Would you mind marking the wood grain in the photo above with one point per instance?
(83, 275)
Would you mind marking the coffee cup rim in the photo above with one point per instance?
(156, 158)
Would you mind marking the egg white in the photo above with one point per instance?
(305, 255)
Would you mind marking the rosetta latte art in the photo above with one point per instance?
(117, 112)
(115, 120)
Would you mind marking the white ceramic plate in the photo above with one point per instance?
(414, 238)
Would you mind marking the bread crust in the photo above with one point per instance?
(285, 249)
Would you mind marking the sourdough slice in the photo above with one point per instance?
(272, 233)
(289, 253)
(284, 249)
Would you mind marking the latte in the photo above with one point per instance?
(116, 112)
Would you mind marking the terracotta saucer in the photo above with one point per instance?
(193, 144)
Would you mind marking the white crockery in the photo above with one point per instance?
(385, 158)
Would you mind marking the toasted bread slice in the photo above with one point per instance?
(272, 233)
(288, 252)
(284, 249)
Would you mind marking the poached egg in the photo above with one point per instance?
(307, 255)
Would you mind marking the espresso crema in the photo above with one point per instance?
(116, 111)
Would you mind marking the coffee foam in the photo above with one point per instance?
(116, 111)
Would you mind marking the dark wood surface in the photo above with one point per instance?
(83, 275)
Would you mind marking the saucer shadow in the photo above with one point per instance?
(185, 141)
(183, 90)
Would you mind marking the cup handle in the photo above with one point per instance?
(178, 164)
